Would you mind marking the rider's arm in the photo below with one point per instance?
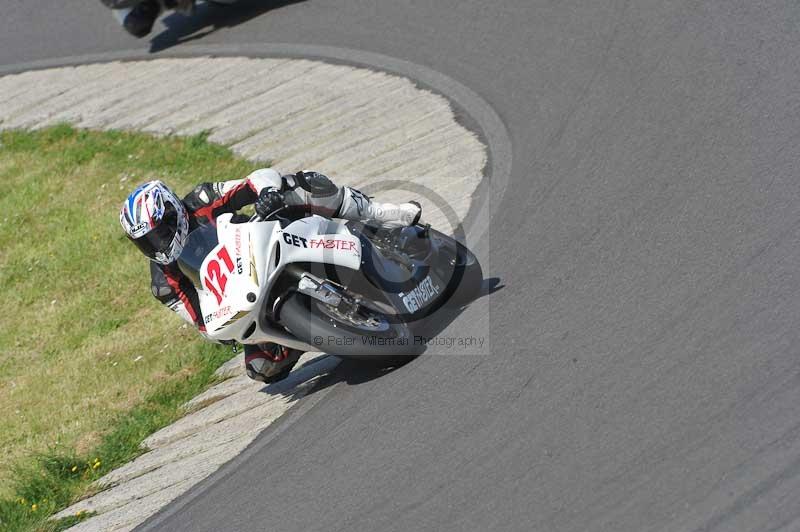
(177, 294)
(209, 200)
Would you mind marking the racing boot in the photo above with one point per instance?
(269, 362)
(357, 206)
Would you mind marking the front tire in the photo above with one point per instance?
(465, 272)
(369, 337)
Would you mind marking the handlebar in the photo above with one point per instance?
(257, 218)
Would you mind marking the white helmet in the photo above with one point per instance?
(155, 219)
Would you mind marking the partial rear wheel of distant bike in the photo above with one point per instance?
(367, 335)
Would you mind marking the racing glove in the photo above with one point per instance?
(269, 201)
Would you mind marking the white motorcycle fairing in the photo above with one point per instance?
(235, 277)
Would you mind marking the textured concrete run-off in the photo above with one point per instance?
(357, 125)
(189, 450)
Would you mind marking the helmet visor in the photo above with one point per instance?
(160, 238)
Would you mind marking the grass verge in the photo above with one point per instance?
(90, 362)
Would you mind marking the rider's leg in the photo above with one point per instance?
(357, 206)
(319, 194)
(269, 362)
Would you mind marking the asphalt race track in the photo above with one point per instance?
(644, 371)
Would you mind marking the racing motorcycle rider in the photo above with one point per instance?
(158, 222)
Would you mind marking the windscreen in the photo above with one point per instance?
(200, 243)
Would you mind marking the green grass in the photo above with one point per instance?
(90, 362)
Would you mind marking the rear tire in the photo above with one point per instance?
(382, 342)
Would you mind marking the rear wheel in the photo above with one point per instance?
(366, 335)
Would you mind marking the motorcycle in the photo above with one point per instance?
(315, 283)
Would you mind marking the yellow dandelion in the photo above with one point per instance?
(34, 507)
(74, 468)
(96, 465)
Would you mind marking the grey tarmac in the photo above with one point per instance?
(643, 369)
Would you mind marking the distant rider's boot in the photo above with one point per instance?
(357, 206)
(139, 22)
(269, 362)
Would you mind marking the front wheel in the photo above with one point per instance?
(366, 335)
(461, 269)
